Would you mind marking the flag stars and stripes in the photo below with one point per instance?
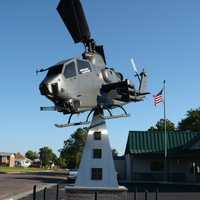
(158, 98)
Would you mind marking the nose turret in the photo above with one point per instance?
(49, 87)
(44, 90)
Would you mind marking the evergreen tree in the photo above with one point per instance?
(70, 154)
(191, 122)
(160, 126)
(31, 155)
(46, 156)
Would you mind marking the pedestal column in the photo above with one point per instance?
(97, 165)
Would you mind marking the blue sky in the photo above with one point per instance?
(162, 36)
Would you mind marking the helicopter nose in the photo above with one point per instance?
(44, 89)
(48, 89)
(54, 88)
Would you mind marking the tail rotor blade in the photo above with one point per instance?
(134, 65)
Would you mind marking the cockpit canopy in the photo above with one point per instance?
(55, 70)
(70, 68)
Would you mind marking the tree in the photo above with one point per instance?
(160, 126)
(72, 150)
(61, 162)
(152, 128)
(31, 155)
(191, 122)
(46, 156)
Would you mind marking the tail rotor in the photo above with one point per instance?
(142, 77)
(135, 68)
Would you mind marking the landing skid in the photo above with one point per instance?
(115, 116)
(71, 124)
(111, 116)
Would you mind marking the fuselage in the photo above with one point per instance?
(75, 84)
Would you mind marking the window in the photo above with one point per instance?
(70, 70)
(55, 70)
(97, 153)
(97, 135)
(157, 166)
(4, 159)
(97, 174)
(83, 67)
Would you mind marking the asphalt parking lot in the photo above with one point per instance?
(15, 184)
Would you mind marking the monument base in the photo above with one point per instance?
(92, 193)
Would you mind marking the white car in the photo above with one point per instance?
(72, 174)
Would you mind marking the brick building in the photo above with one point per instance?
(7, 159)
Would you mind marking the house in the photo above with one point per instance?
(7, 159)
(144, 158)
(22, 161)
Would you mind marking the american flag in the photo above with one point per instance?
(158, 98)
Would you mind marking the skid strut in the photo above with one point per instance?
(111, 116)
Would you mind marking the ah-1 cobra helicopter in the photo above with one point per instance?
(82, 84)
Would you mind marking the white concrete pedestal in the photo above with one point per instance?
(104, 163)
(96, 171)
(75, 193)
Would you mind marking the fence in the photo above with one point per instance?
(59, 194)
(36, 196)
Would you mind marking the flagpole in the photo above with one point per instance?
(165, 125)
(165, 129)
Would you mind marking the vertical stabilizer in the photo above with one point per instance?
(143, 84)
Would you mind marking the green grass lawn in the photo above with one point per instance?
(22, 170)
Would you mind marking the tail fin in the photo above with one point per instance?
(143, 86)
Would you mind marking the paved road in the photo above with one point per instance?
(13, 184)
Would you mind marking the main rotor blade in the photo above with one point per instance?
(72, 14)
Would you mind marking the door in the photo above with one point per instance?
(86, 83)
(71, 81)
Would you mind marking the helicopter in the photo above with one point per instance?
(78, 85)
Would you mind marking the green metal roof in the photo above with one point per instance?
(142, 142)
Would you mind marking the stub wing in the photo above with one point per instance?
(123, 92)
